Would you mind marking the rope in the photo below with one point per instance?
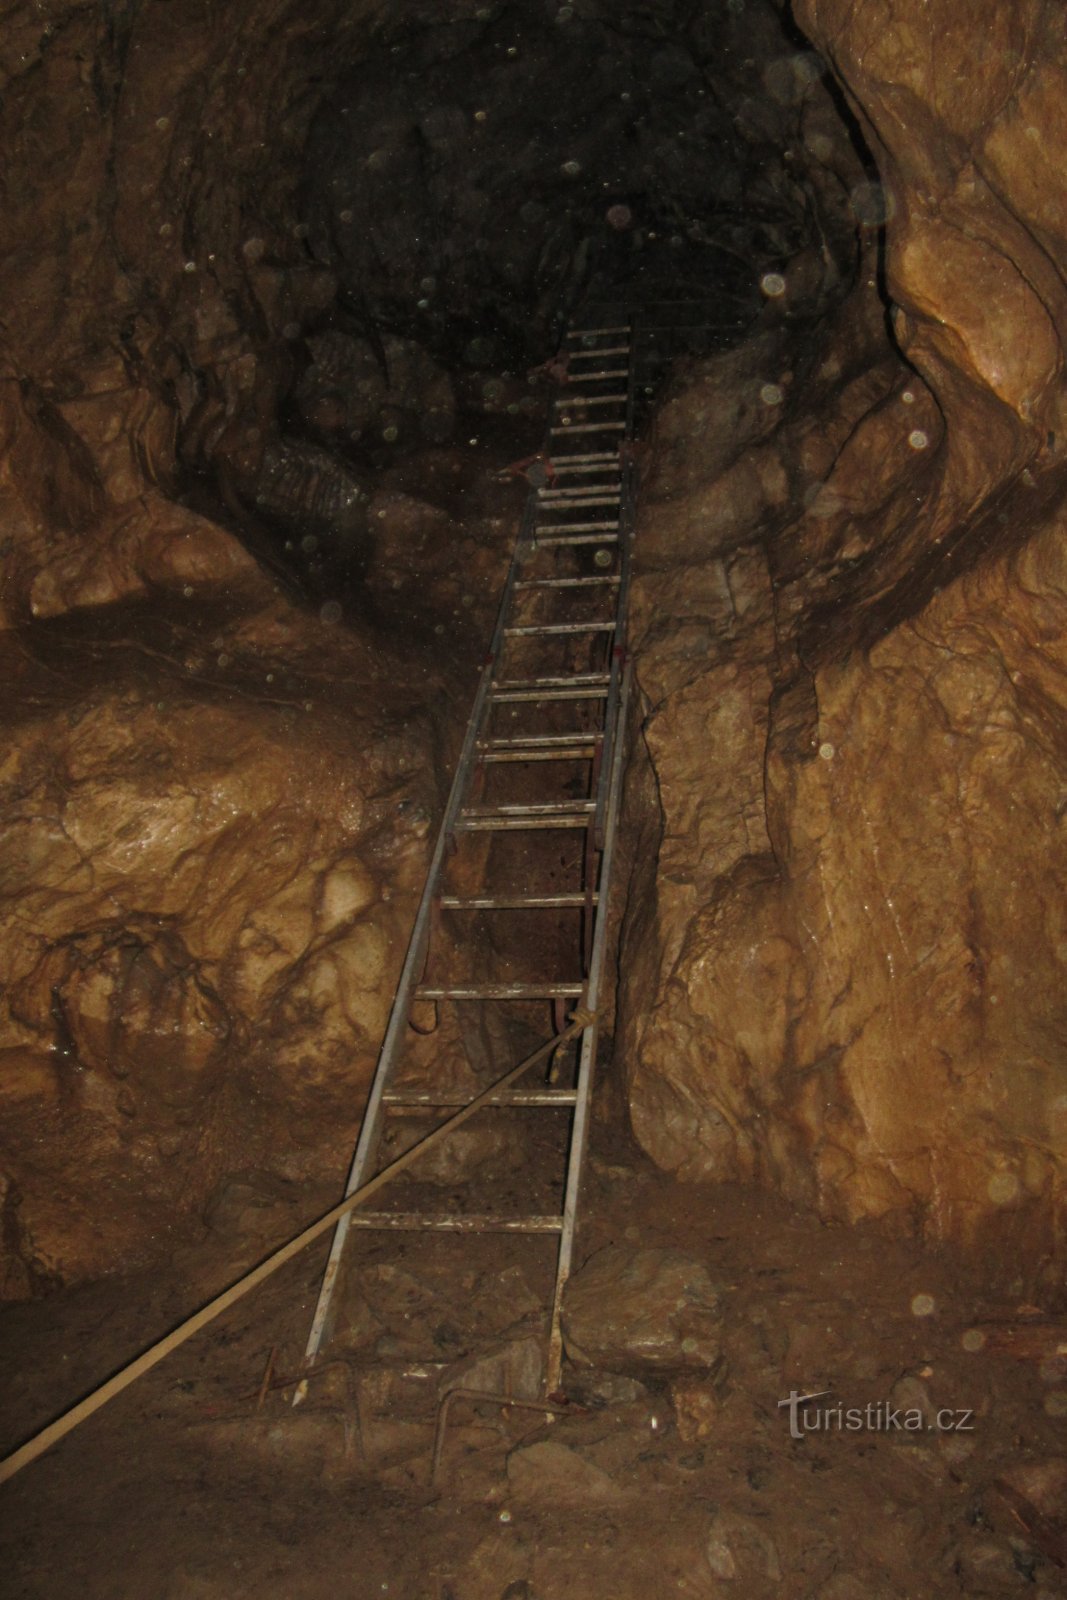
(36, 1446)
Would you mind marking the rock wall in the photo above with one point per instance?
(845, 981)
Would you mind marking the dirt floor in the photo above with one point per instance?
(655, 1482)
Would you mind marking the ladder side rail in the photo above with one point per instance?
(627, 491)
(587, 1058)
(370, 1129)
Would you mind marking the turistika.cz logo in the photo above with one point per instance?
(878, 1416)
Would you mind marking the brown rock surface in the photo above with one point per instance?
(633, 1310)
(850, 985)
(211, 842)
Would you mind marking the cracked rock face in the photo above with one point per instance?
(850, 984)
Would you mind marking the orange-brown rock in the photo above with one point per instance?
(214, 825)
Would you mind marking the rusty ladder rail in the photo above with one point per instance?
(580, 506)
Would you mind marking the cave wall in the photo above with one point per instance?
(851, 986)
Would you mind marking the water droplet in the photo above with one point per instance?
(772, 284)
(391, 434)
(330, 612)
(973, 1339)
(345, 215)
(309, 544)
(923, 1305)
(190, 266)
(827, 752)
(571, 168)
(771, 394)
(162, 123)
(918, 439)
(1003, 1188)
(907, 397)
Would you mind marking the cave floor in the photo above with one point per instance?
(686, 1484)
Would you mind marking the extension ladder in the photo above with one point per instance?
(543, 751)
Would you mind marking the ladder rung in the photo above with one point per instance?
(449, 1222)
(588, 333)
(523, 824)
(500, 991)
(541, 741)
(592, 400)
(515, 902)
(561, 627)
(591, 494)
(569, 680)
(597, 377)
(590, 427)
(515, 695)
(510, 1097)
(567, 583)
(567, 537)
(545, 808)
(573, 459)
(572, 753)
(519, 824)
(594, 355)
(568, 499)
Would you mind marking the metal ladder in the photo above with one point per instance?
(552, 699)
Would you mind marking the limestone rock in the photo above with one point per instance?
(642, 1310)
(553, 1472)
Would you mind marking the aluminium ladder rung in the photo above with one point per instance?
(572, 458)
(591, 400)
(525, 823)
(516, 902)
(450, 1222)
(540, 741)
(567, 537)
(568, 583)
(597, 377)
(589, 333)
(515, 696)
(575, 752)
(500, 991)
(539, 808)
(560, 627)
(589, 427)
(594, 355)
(568, 500)
(401, 1100)
(575, 680)
(581, 494)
